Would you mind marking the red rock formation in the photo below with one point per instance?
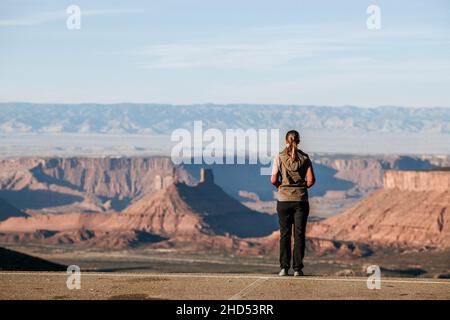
(417, 180)
(411, 211)
(177, 211)
(81, 184)
(366, 173)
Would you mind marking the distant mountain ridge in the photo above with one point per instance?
(127, 118)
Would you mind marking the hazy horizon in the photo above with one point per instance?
(150, 103)
(135, 129)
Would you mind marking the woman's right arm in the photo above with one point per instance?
(310, 178)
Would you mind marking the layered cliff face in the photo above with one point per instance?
(81, 184)
(410, 211)
(175, 211)
(105, 177)
(426, 181)
(58, 185)
(367, 172)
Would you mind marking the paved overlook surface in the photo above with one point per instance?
(52, 285)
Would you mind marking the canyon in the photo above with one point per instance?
(54, 185)
(176, 214)
(119, 203)
(61, 185)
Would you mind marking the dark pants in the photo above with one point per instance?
(292, 213)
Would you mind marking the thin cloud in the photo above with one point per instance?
(40, 18)
(230, 55)
(250, 48)
(268, 47)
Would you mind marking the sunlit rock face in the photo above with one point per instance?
(410, 211)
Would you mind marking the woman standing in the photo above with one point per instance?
(292, 174)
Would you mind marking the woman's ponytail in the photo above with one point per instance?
(292, 140)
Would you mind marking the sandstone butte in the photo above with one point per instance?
(411, 210)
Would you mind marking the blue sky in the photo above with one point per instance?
(192, 51)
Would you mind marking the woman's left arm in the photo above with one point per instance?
(310, 178)
(274, 179)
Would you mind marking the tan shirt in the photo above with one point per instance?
(293, 176)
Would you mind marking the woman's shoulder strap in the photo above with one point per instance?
(304, 157)
(304, 154)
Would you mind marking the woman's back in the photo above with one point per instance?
(292, 173)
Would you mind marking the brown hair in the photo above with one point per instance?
(293, 140)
